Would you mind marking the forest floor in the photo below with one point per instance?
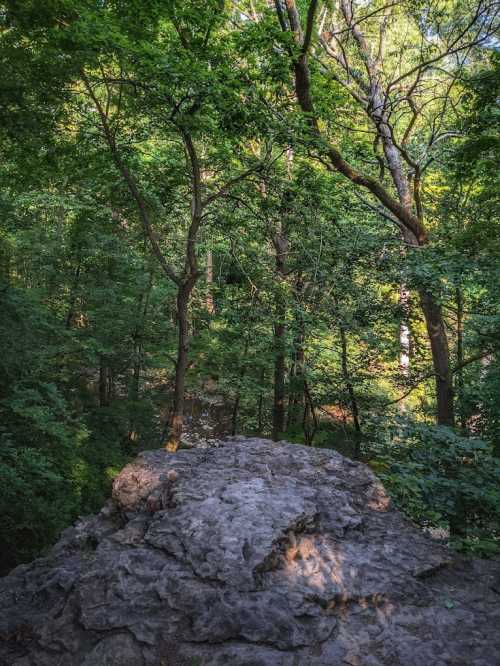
(207, 419)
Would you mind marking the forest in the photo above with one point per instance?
(286, 209)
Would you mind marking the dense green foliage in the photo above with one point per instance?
(303, 280)
(424, 467)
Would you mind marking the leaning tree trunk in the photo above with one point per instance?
(440, 358)
(398, 209)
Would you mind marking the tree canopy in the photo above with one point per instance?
(290, 205)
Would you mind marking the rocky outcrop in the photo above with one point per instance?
(249, 554)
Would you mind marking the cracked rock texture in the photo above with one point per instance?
(249, 554)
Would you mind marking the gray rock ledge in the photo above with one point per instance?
(251, 553)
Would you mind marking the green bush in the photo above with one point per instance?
(438, 477)
(36, 503)
(58, 454)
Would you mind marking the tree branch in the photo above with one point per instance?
(130, 182)
(303, 91)
(309, 26)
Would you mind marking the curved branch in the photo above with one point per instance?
(130, 182)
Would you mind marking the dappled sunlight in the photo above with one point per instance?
(226, 223)
(326, 571)
(337, 413)
(379, 501)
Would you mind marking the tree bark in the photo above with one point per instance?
(353, 403)
(184, 290)
(404, 340)
(460, 359)
(103, 382)
(281, 246)
(440, 358)
(279, 382)
(309, 421)
(404, 331)
(209, 283)
(239, 381)
(408, 221)
(73, 296)
(176, 420)
(296, 401)
(260, 419)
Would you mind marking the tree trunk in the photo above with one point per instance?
(260, 420)
(134, 385)
(404, 340)
(404, 331)
(460, 359)
(176, 420)
(350, 388)
(234, 416)
(209, 283)
(138, 339)
(111, 385)
(279, 382)
(281, 246)
(309, 421)
(440, 358)
(184, 288)
(103, 382)
(297, 397)
(407, 220)
(241, 376)
(73, 296)
(444, 394)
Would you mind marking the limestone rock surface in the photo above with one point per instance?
(251, 553)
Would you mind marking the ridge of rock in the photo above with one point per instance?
(252, 553)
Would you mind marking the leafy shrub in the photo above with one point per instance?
(36, 503)
(55, 461)
(437, 476)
